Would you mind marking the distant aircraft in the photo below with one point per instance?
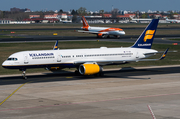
(172, 20)
(139, 20)
(101, 32)
(142, 19)
(87, 61)
(67, 21)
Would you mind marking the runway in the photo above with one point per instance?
(120, 93)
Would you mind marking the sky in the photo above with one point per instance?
(92, 5)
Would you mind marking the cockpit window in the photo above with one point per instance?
(12, 59)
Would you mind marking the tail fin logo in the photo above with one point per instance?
(149, 34)
(85, 24)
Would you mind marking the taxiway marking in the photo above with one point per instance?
(13, 93)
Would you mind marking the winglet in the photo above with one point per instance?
(164, 54)
(56, 45)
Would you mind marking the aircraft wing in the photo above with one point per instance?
(82, 31)
(101, 62)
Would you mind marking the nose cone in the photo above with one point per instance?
(4, 64)
(122, 32)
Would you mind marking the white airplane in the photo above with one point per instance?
(67, 21)
(101, 32)
(140, 20)
(172, 20)
(87, 61)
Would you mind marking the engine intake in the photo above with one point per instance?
(89, 69)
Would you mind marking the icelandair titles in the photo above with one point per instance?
(144, 44)
(40, 54)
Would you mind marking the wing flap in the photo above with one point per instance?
(102, 62)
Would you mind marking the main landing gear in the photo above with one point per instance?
(23, 73)
(117, 36)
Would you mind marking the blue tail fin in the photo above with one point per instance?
(145, 40)
(56, 45)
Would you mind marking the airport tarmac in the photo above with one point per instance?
(119, 94)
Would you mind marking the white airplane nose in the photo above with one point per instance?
(122, 32)
(4, 64)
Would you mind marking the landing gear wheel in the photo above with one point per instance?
(25, 78)
(103, 36)
(118, 37)
(24, 74)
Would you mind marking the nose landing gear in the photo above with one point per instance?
(23, 73)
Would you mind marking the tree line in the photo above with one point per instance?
(82, 11)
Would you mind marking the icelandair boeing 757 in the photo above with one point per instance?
(100, 31)
(87, 61)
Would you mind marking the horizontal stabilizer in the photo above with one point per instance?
(162, 57)
(164, 54)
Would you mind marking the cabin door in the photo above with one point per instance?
(26, 59)
(59, 58)
(137, 55)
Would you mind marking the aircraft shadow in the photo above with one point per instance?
(69, 76)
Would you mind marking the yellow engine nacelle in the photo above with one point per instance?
(89, 69)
